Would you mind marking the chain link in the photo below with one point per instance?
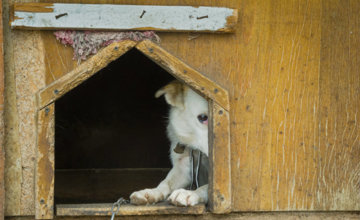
(116, 206)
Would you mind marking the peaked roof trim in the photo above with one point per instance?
(72, 79)
(185, 73)
(173, 65)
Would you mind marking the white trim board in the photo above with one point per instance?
(122, 17)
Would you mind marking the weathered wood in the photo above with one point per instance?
(339, 107)
(69, 81)
(185, 73)
(272, 64)
(27, 84)
(33, 7)
(275, 155)
(44, 175)
(123, 17)
(2, 124)
(13, 170)
(301, 215)
(294, 129)
(105, 209)
(271, 68)
(219, 155)
(59, 65)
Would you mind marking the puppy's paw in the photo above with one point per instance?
(182, 197)
(146, 196)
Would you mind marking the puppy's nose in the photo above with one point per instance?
(203, 119)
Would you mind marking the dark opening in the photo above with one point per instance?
(110, 133)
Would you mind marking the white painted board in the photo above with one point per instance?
(126, 17)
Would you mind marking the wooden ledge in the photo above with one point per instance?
(104, 209)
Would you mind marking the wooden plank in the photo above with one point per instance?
(271, 68)
(123, 17)
(13, 169)
(339, 107)
(295, 128)
(59, 65)
(33, 7)
(274, 118)
(69, 81)
(220, 158)
(185, 73)
(44, 175)
(2, 124)
(105, 209)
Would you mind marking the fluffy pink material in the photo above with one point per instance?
(86, 43)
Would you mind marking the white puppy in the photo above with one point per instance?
(188, 125)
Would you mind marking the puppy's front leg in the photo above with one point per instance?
(183, 197)
(178, 177)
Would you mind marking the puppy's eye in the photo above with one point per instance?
(202, 118)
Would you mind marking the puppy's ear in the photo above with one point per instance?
(174, 93)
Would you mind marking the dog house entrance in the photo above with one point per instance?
(107, 136)
(110, 133)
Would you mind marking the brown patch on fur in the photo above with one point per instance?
(179, 149)
(174, 93)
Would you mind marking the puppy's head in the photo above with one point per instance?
(188, 119)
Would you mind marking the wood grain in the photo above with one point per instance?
(104, 209)
(13, 163)
(293, 125)
(291, 70)
(44, 173)
(219, 154)
(69, 81)
(271, 67)
(33, 7)
(2, 124)
(275, 121)
(56, 57)
(339, 106)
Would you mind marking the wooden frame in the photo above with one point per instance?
(2, 123)
(50, 16)
(104, 209)
(219, 135)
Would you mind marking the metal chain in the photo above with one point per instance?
(194, 170)
(116, 206)
(191, 169)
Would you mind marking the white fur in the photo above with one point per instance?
(185, 128)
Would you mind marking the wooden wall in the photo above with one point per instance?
(292, 70)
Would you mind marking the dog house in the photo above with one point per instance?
(47, 96)
(283, 88)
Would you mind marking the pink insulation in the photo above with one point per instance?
(86, 43)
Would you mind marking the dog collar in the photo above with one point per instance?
(199, 164)
(180, 148)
